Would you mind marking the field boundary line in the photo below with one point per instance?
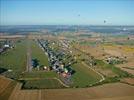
(61, 82)
(17, 88)
(39, 98)
(103, 78)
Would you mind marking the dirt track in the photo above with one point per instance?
(29, 66)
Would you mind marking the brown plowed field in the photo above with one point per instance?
(114, 91)
(6, 87)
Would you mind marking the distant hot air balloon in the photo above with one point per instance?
(104, 21)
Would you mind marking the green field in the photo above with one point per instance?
(15, 59)
(38, 74)
(39, 80)
(83, 76)
(42, 83)
(113, 68)
(39, 54)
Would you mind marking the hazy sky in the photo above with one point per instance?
(89, 12)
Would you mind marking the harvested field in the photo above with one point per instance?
(116, 91)
(129, 66)
(119, 50)
(4, 83)
(105, 50)
(111, 91)
(96, 51)
(6, 87)
(99, 50)
(128, 80)
(113, 52)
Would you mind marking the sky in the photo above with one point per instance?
(66, 12)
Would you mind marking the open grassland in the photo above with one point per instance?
(15, 59)
(84, 76)
(39, 54)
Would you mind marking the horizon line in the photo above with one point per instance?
(62, 25)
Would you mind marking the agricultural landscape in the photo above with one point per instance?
(66, 49)
(76, 65)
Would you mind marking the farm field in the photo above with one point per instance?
(39, 74)
(84, 76)
(128, 81)
(38, 53)
(48, 83)
(6, 87)
(104, 92)
(66, 49)
(15, 59)
(111, 49)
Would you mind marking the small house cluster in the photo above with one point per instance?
(5, 45)
(114, 60)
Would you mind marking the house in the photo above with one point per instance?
(114, 60)
(66, 75)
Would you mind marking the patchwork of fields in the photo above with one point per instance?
(40, 84)
(6, 87)
(82, 78)
(104, 92)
